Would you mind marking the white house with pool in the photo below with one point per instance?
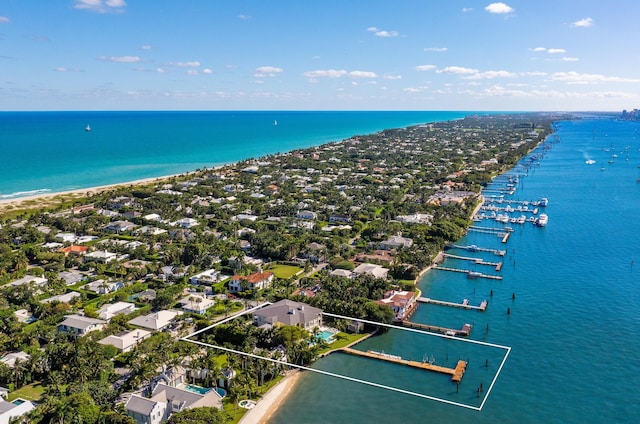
(288, 312)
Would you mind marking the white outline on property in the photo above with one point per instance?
(357, 380)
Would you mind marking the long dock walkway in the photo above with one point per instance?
(477, 261)
(463, 305)
(464, 331)
(470, 274)
(455, 373)
(474, 248)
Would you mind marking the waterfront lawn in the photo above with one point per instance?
(32, 392)
(342, 340)
(284, 271)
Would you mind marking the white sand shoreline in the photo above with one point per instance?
(272, 400)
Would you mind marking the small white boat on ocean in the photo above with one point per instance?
(88, 128)
(542, 220)
(590, 162)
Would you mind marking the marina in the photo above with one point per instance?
(456, 373)
(464, 304)
(477, 261)
(474, 248)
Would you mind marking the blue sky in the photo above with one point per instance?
(319, 55)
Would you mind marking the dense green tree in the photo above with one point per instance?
(204, 415)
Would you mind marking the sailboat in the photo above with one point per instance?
(275, 122)
(88, 128)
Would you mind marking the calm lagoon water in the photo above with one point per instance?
(572, 326)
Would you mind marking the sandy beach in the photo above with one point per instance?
(42, 200)
(272, 400)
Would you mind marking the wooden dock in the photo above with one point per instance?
(477, 261)
(474, 248)
(455, 373)
(463, 305)
(464, 331)
(470, 274)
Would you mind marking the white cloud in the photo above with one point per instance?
(425, 67)
(267, 71)
(457, 70)
(467, 9)
(145, 47)
(160, 70)
(392, 77)
(329, 73)
(570, 59)
(362, 74)
(192, 72)
(539, 49)
(556, 51)
(492, 75)
(244, 17)
(207, 71)
(61, 69)
(578, 78)
(499, 8)
(582, 23)
(101, 6)
(435, 49)
(382, 33)
(121, 59)
(191, 64)
(4, 20)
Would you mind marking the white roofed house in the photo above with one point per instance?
(103, 286)
(207, 277)
(145, 411)
(374, 270)
(110, 310)
(156, 321)
(80, 325)
(9, 411)
(101, 256)
(196, 303)
(288, 312)
(127, 340)
(29, 279)
(396, 242)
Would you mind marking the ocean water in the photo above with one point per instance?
(572, 290)
(51, 151)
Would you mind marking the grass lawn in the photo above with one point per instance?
(284, 271)
(32, 391)
(342, 340)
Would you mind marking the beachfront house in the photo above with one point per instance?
(396, 242)
(401, 302)
(288, 312)
(373, 270)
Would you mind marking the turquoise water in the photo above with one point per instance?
(51, 151)
(327, 336)
(572, 326)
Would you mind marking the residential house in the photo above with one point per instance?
(127, 340)
(255, 281)
(402, 303)
(110, 310)
(62, 298)
(380, 257)
(344, 273)
(186, 223)
(71, 277)
(104, 287)
(9, 411)
(305, 214)
(120, 226)
(101, 256)
(23, 315)
(11, 358)
(196, 303)
(80, 325)
(29, 279)
(74, 250)
(156, 321)
(145, 411)
(206, 278)
(371, 269)
(396, 242)
(288, 312)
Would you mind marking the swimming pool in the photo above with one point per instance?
(197, 389)
(327, 336)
